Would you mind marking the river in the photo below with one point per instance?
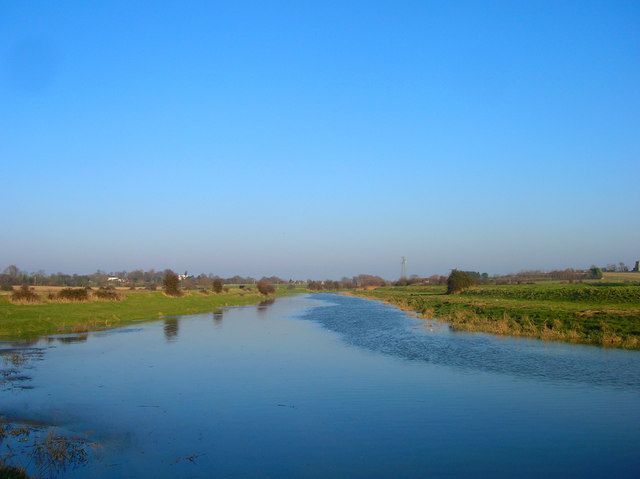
(320, 386)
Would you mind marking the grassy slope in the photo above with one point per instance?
(603, 314)
(26, 321)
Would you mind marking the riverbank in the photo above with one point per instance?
(29, 321)
(596, 313)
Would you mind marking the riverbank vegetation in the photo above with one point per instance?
(599, 312)
(28, 320)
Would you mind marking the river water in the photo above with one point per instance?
(321, 386)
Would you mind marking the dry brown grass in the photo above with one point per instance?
(469, 321)
(621, 277)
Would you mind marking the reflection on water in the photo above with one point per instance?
(325, 386)
(264, 305)
(14, 366)
(171, 328)
(73, 338)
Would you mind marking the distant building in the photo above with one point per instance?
(115, 279)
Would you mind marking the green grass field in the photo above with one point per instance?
(29, 321)
(606, 314)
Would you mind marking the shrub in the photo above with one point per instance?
(595, 273)
(265, 287)
(6, 287)
(458, 281)
(171, 283)
(25, 294)
(216, 285)
(151, 287)
(74, 294)
(107, 292)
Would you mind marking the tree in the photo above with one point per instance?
(216, 285)
(265, 287)
(458, 281)
(136, 276)
(13, 275)
(171, 283)
(12, 271)
(595, 272)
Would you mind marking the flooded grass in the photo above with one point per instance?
(11, 472)
(39, 448)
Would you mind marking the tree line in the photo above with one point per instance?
(14, 276)
(359, 281)
(152, 279)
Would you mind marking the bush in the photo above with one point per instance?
(107, 292)
(171, 283)
(25, 294)
(458, 281)
(151, 287)
(265, 287)
(6, 287)
(216, 286)
(74, 294)
(595, 273)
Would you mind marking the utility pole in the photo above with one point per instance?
(403, 268)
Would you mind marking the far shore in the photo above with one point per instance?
(30, 321)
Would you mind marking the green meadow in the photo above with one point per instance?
(600, 313)
(29, 321)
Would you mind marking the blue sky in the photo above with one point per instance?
(319, 139)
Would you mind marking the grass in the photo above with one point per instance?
(601, 313)
(29, 321)
(623, 277)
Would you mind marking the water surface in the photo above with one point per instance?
(329, 386)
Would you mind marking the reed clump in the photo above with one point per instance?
(25, 295)
(107, 293)
(74, 294)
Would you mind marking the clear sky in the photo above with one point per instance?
(319, 139)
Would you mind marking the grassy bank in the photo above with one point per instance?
(604, 314)
(27, 321)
